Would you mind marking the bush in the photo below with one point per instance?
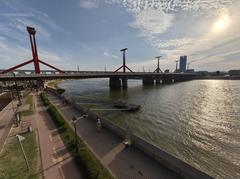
(84, 158)
(44, 98)
(60, 90)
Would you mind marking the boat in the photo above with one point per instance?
(126, 107)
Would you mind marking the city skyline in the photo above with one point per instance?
(90, 33)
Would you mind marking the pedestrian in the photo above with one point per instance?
(127, 142)
(99, 125)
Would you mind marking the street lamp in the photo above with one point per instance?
(74, 120)
(176, 66)
(17, 90)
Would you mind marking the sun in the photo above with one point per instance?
(221, 23)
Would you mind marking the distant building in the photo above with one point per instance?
(183, 63)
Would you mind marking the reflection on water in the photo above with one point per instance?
(196, 121)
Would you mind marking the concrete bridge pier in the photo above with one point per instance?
(167, 80)
(40, 84)
(180, 78)
(148, 81)
(124, 83)
(114, 83)
(177, 79)
(158, 80)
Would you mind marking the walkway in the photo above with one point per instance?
(56, 160)
(125, 163)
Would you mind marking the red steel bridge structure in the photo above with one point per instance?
(34, 59)
(117, 79)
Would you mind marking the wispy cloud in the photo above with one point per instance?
(16, 20)
(158, 22)
(152, 22)
(89, 4)
(171, 5)
(110, 55)
(14, 35)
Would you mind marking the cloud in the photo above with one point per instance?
(110, 55)
(88, 4)
(9, 14)
(170, 43)
(180, 27)
(152, 22)
(16, 19)
(106, 54)
(171, 5)
(2, 38)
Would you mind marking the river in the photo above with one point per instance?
(196, 121)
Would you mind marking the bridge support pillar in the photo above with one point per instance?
(158, 81)
(177, 79)
(124, 83)
(167, 80)
(114, 83)
(148, 81)
(40, 84)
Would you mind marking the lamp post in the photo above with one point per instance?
(17, 90)
(74, 120)
(176, 66)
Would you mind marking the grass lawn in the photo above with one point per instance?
(12, 163)
(28, 101)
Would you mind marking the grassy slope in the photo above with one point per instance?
(12, 163)
(28, 100)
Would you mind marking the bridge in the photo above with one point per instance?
(116, 79)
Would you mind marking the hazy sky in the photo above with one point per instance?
(91, 33)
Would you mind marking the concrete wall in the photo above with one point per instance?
(171, 162)
(5, 99)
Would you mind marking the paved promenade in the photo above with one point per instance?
(56, 160)
(125, 163)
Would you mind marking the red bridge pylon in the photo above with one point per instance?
(35, 59)
(124, 66)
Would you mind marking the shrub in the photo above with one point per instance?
(60, 90)
(45, 99)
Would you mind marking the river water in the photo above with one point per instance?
(196, 121)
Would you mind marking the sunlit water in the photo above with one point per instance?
(196, 121)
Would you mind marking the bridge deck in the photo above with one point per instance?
(84, 75)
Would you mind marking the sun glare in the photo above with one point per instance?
(221, 23)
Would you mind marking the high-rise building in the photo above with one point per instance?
(183, 63)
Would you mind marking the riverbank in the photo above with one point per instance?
(54, 85)
(217, 78)
(195, 121)
(142, 158)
